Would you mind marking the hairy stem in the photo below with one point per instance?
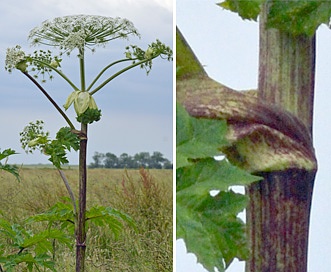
(279, 209)
(80, 229)
(81, 221)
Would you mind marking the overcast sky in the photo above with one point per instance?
(228, 48)
(136, 109)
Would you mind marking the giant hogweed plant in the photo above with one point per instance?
(79, 34)
(268, 133)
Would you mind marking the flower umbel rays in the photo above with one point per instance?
(80, 31)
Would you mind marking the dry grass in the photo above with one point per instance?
(145, 195)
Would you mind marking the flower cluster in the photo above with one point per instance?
(154, 50)
(41, 62)
(80, 31)
(14, 57)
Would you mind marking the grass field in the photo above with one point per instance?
(145, 195)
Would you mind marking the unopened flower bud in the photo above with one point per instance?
(149, 53)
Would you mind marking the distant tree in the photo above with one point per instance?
(167, 164)
(142, 159)
(111, 161)
(157, 160)
(98, 157)
(126, 161)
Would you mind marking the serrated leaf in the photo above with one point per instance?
(67, 138)
(299, 17)
(295, 17)
(197, 138)
(59, 212)
(211, 229)
(107, 216)
(208, 174)
(41, 238)
(197, 238)
(246, 9)
(209, 225)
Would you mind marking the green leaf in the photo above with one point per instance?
(58, 212)
(89, 116)
(295, 17)
(6, 153)
(12, 169)
(40, 239)
(246, 9)
(211, 229)
(107, 216)
(197, 138)
(299, 17)
(208, 174)
(209, 225)
(67, 138)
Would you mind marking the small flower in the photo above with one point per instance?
(15, 58)
(80, 31)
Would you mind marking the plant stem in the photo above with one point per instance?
(279, 209)
(51, 100)
(71, 193)
(82, 69)
(278, 220)
(80, 227)
(187, 64)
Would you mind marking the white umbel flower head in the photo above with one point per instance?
(80, 31)
(14, 57)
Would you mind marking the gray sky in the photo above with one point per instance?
(136, 109)
(228, 47)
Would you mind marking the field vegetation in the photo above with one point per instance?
(145, 195)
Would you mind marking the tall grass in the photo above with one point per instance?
(145, 195)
